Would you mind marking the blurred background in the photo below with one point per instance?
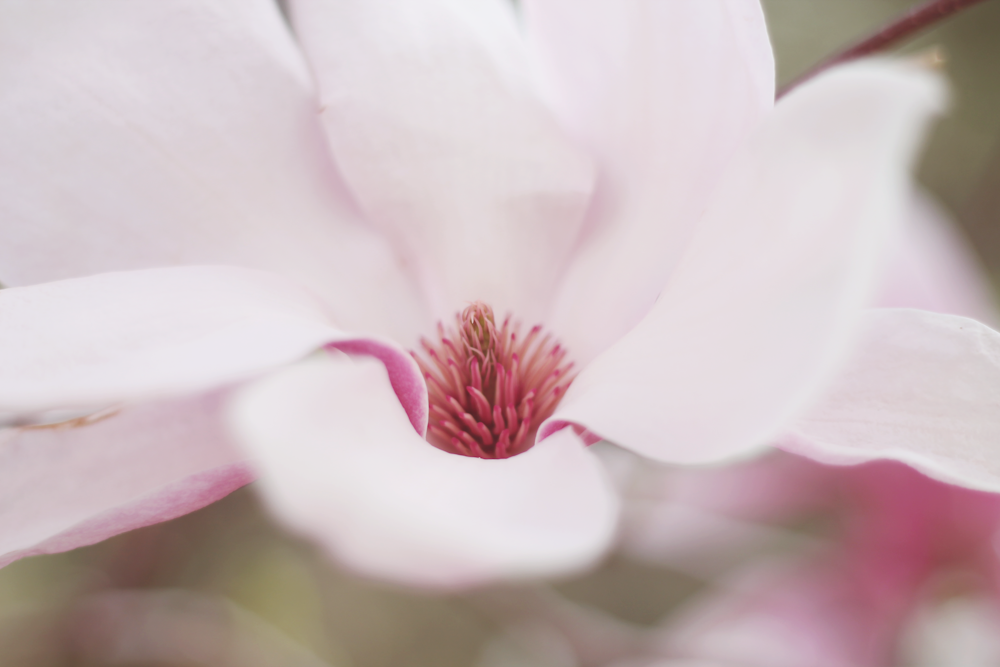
(226, 586)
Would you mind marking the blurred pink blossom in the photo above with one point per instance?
(610, 169)
(892, 553)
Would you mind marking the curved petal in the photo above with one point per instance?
(340, 463)
(931, 267)
(405, 375)
(125, 336)
(431, 118)
(663, 93)
(920, 387)
(765, 300)
(66, 486)
(146, 134)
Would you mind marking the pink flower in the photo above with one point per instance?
(611, 170)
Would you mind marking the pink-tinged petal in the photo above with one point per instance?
(663, 93)
(136, 334)
(145, 134)
(341, 463)
(405, 375)
(763, 304)
(920, 387)
(432, 119)
(931, 267)
(70, 485)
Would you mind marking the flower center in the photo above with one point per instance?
(489, 389)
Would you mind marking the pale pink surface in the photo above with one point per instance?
(145, 135)
(63, 487)
(931, 268)
(472, 191)
(404, 375)
(89, 342)
(903, 98)
(351, 472)
(139, 135)
(904, 539)
(432, 119)
(122, 339)
(118, 339)
(762, 306)
(702, 520)
(919, 387)
(663, 93)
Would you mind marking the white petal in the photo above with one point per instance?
(139, 334)
(765, 300)
(663, 93)
(341, 463)
(432, 119)
(921, 388)
(145, 134)
(66, 486)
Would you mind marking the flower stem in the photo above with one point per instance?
(903, 27)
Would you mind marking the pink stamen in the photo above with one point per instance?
(477, 379)
(498, 424)
(483, 408)
(489, 389)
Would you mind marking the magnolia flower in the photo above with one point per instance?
(611, 171)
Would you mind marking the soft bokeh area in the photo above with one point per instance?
(228, 587)
(962, 162)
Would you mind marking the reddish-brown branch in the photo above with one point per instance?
(909, 24)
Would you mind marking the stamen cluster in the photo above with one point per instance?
(489, 389)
